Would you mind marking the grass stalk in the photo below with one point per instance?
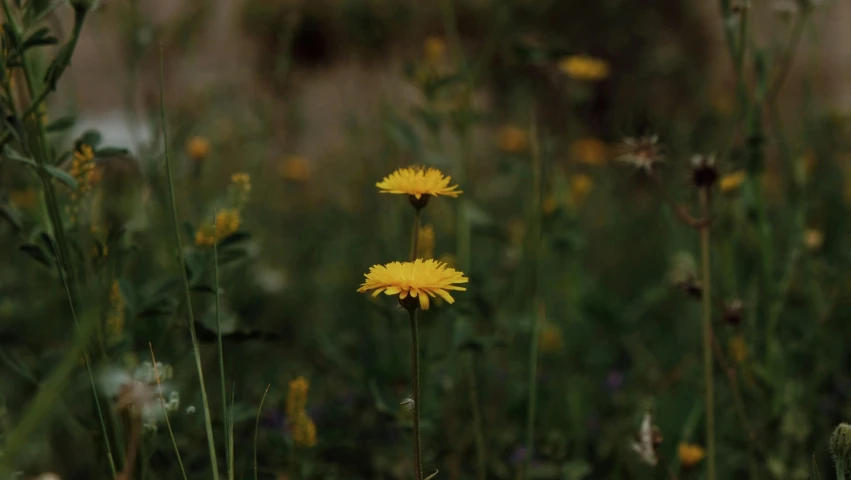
(707, 337)
(538, 312)
(196, 348)
(257, 428)
(481, 452)
(167, 421)
(415, 374)
(228, 457)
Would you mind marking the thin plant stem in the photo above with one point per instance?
(415, 374)
(228, 458)
(481, 453)
(739, 404)
(257, 428)
(537, 304)
(132, 448)
(707, 338)
(196, 349)
(167, 421)
(415, 236)
(531, 408)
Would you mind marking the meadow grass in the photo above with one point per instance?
(615, 261)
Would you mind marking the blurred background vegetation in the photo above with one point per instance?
(317, 101)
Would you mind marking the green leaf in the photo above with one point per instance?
(111, 152)
(36, 253)
(234, 240)
(53, 171)
(39, 38)
(91, 138)
(61, 124)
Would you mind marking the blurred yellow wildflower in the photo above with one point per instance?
(512, 139)
(732, 181)
(738, 348)
(690, 454)
(516, 227)
(550, 339)
(294, 168)
(115, 318)
(580, 186)
(418, 181)
(198, 148)
(226, 223)
(722, 102)
(81, 167)
(549, 204)
(584, 68)
(425, 242)
(419, 279)
(810, 160)
(813, 238)
(303, 428)
(434, 49)
(241, 185)
(297, 396)
(25, 199)
(590, 151)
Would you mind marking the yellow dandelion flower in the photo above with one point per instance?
(813, 238)
(580, 186)
(732, 181)
(690, 454)
(417, 182)
(641, 152)
(198, 148)
(550, 339)
(115, 318)
(419, 279)
(25, 199)
(512, 139)
(589, 151)
(425, 242)
(434, 49)
(294, 168)
(584, 68)
(297, 396)
(738, 348)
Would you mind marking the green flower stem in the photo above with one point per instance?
(415, 237)
(196, 349)
(481, 454)
(707, 337)
(415, 373)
